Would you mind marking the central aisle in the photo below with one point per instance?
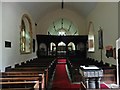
(61, 80)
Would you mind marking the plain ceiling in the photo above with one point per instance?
(37, 9)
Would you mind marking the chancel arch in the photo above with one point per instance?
(53, 16)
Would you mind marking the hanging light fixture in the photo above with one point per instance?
(70, 26)
(54, 26)
(62, 5)
(62, 23)
(49, 33)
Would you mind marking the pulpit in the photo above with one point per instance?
(91, 76)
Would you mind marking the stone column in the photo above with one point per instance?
(92, 83)
(98, 82)
(87, 83)
(56, 48)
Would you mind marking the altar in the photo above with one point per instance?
(91, 76)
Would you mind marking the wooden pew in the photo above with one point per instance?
(26, 69)
(17, 89)
(71, 70)
(22, 73)
(38, 63)
(109, 72)
(109, 75)
(31, 65)
(9, 79)
(19, 84)
(21, 79)
(82, 86)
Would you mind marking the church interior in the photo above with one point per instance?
(59, 45)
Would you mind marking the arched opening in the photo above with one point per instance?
(61, 49)
(63, 27)
(25, 35)
(51, 46)
(71, 46)
(80, 46)
(52, 49)
(43, 49)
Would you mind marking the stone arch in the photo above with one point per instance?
(71, 45)
(50, 17)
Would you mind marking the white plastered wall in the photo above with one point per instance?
(0, 35)
(105, 15)
(49, 17)
(12, 14)
(117, 47)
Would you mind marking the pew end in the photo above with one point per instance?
(82, 86)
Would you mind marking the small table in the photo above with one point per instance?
(91, 76)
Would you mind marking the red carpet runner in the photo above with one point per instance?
(61, 80)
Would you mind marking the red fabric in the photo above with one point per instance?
(104, 86)
(61, 80)
(62, 60)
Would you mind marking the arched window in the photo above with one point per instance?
(62, 26)
(25, 35)
(62, 32)
(91, 40)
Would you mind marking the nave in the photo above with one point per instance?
(61, 80)
(51, 73)
(34, 34)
